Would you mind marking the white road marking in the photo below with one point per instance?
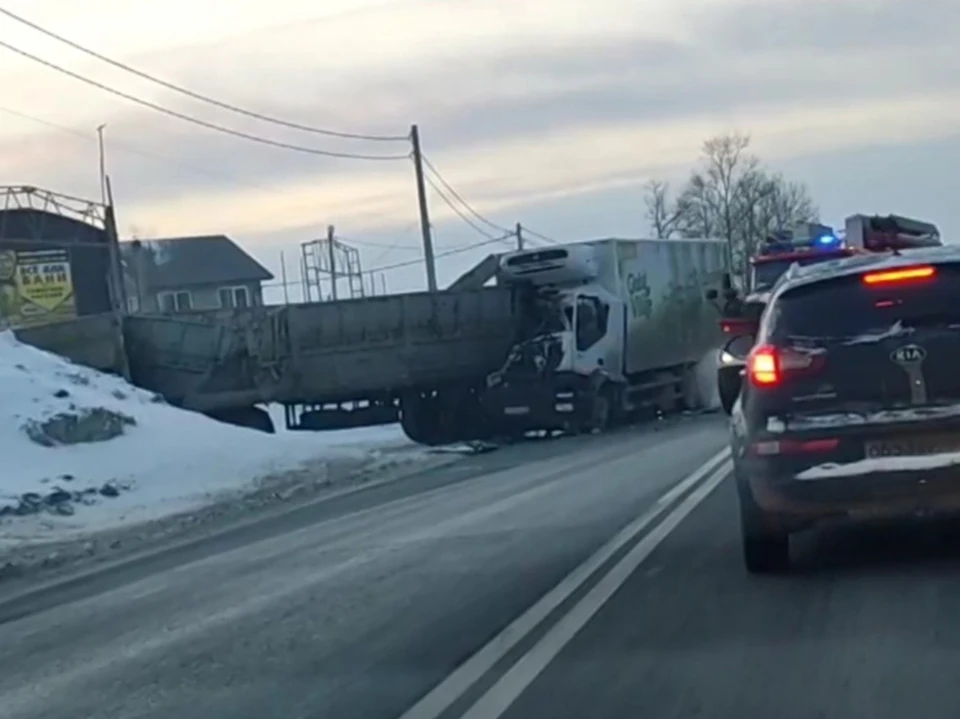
(501, 695)
(439, 699)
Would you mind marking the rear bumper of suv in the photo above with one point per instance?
(839, 483)
(874, 495)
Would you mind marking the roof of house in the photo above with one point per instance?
(203, 260)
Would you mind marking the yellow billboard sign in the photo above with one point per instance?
(36, 287)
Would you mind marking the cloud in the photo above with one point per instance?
(534, 103)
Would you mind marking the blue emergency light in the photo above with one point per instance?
(778, 245)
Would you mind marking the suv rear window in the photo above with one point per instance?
(846, 307)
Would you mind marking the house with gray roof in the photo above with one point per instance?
(181, 274)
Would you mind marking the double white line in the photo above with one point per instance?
(498, 698)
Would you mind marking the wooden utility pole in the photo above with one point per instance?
(331, 253)
(519, 237)
(424, 211)
(113, 249)
(283, 278)
(102, 152)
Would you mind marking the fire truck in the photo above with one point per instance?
(806, 244)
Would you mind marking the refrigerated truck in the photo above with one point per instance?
(612, 328)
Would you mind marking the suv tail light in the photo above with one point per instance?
(903, 274)
(769, 366)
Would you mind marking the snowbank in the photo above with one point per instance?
(83, 450)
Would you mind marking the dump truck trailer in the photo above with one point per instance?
(420, 355)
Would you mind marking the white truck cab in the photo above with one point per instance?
(605, 321)
(577, 323)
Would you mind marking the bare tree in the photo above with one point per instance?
(730, 196)
(662, 214)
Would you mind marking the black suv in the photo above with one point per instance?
(850, 405)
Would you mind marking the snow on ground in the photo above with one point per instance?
(87, 451)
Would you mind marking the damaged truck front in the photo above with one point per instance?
(611, 329)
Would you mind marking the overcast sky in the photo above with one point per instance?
(549, 112)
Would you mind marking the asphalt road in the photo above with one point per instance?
(597, 577)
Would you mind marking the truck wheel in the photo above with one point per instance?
(416, 418)
(766, 547)
(249, 417)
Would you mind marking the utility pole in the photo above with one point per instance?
(103, 164)
(333, 263)
(519, 237)
(283, 278)
(424, 211)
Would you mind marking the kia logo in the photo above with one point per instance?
(908, 354)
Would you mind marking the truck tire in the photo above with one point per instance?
(766, 547)
(249, 417)
(438, 417)
(416, 419)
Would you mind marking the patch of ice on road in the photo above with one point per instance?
(85, 451)
(833, 470)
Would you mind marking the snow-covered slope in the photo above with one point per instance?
(148, 459)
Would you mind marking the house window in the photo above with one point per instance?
(175, 301)
(234, 297)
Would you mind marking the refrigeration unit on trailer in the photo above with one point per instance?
(610, 327)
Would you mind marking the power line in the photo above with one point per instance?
(130, 147)
(458, 250)
(196, 95)
(430, 166)
(433, 169)
(195, 120)
(137, 150)
(378, 245)
(528, 231)
(473, 225)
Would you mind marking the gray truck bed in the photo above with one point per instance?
(322, 352)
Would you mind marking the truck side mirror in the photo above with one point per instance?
(712, 295)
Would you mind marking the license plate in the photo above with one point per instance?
(513, 411)
(911, 447)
